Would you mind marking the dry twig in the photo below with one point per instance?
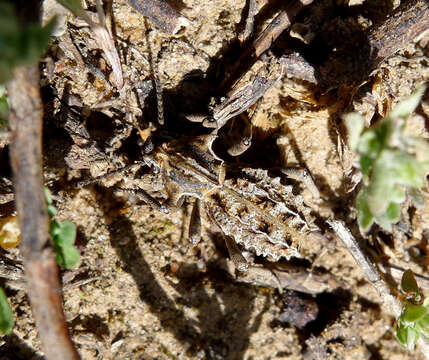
(41, 269)
(393, 305)
(263, 42)
(353, 63)
(159, 12)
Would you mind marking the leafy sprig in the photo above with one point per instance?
(6, 314)
(391, 163)
(63, 234)
(414, 319)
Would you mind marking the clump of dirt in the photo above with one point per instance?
(143, 291)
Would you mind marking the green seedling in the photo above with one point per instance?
(63, 234)
(393, 164)
(4, 109)
(20, 45)
(414, 320)
(6, 314)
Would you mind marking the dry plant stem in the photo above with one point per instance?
(353, 63)
(41, 270)
(160, 13)
(105, 40)
(263, 42)
(397, 273)
(371, 272)
(250, 21)
(405, 24)
(291, 277)
(393, 305)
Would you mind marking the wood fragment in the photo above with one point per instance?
(391, 303)
(161, 14)
(263, 42)
(237, 258)
(250, 21)
(306, 178)
(354, 62)
(41, 269)
(369, 269)
(104, 39)
(283, 276)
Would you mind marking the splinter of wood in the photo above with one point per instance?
(266, 38)
(353, 63)
(161, 14)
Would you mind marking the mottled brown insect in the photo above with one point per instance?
(255, 211)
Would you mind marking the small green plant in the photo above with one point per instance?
(391, 163)
(414, 319)
(6, 314)
(19, 45)
(4, 109)
(63, 234)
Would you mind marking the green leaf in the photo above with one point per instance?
(409, 283)
(66, 235)
(51, 211)
(393, 213)
(413, 313)
(366, 164)
(73, 5)
(384, 222)
(8, 24)
(417, 198)
(33, 41)
(54, 228)
(406, 107)
(423, 323)
(6, 314)
(355, 124)
(4, 110)
(389, 217)
(407, 170)
(48, 195)
(407, 336)
(68, 257)
(381, 186)
(365, 217)
(398, 194)
(369, 145)
(20, 45)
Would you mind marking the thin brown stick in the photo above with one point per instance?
(285, 277)
(161, 14)
(393, 306)
(41, 270)
(104, 39)
(263, 42)
(250, 21)
(353, 63)
(391, 303)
